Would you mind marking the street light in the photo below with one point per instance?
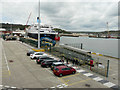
(38, 25)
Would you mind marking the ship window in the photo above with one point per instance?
(41, 31)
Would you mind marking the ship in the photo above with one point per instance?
(45, 31)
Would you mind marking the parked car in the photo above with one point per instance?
(37, 54)
(56, 64)
(42, 58)
(30, 52)
(48, 63)
(63, 70)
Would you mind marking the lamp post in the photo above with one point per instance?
(39, 25)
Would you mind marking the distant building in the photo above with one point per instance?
(3, 30)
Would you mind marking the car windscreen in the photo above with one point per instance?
(65, 69)
(39, 54)
(46, 58)
(56, 69)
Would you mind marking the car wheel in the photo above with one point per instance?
(73, 72)
(61, 75)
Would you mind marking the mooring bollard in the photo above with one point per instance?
(81, 45)
(107, 68)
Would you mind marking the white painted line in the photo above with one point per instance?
(97, 79)
(49, 71)
(64, 85)
(109, 84)
(69, 65)
(59, 85)
(7, 86)
(1, 85)
(112, 75)
(52, 87)
(13, 87)
(80, 71)
(88, 74)
(74, 67)
(5, 58)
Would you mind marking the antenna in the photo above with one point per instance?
(108, 29)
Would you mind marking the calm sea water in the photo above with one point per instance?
(98, 45)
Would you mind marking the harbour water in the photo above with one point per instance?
(103, 46)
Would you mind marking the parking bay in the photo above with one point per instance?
(25, 73)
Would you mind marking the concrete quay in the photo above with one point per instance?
(23, 72)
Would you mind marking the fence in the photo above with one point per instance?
(100, 64)
(83, 60)
(29, 41)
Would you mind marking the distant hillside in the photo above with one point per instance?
(111, 31)
(8, 26)
(61, 31)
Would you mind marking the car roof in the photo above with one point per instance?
(58, 63)
(50, 60)
(44, 56)
(59, 67)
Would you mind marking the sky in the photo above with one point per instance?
(70, 15)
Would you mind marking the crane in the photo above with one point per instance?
(27, 21)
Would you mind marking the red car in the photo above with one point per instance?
(63, 70)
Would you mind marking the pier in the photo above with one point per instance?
(19, 63)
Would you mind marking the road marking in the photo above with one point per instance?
(109, 84)
(63, 81)
(6, 61)
(7, 86)
(1, 85)
(52, 87)
(74, 67)
(13, 87)
(97, 79)
(80, 71)
(69, 76)
(61, 87)
(79, 82)
(69, 65)
(64, 85)
(58, 85)
(112, 75)
(9, 72)
(88, 74)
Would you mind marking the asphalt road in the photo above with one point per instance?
(23, 72)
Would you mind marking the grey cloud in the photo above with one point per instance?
(67, 15)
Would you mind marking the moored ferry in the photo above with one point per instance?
(45, 31)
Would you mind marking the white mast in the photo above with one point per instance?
(39, 25)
